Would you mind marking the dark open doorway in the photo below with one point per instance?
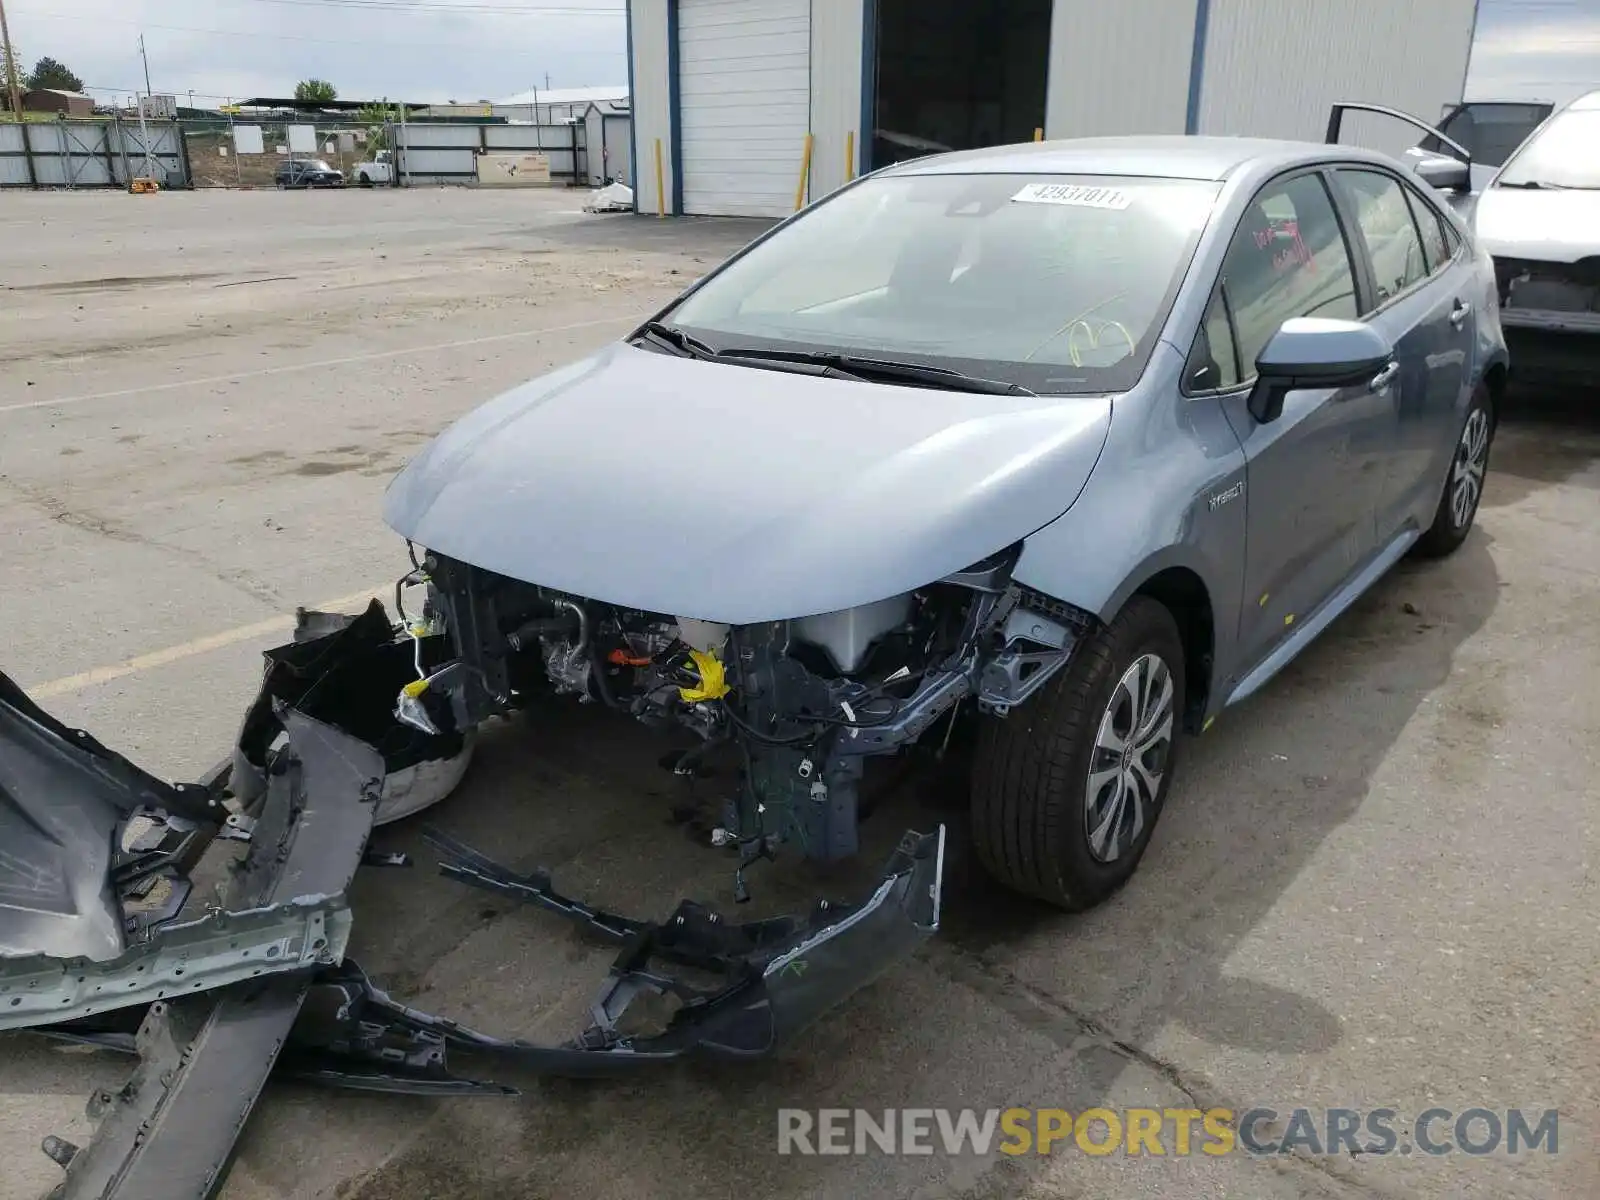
(954, 74)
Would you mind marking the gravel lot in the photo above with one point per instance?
(1375, 885)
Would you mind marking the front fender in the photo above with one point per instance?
(1168, 492)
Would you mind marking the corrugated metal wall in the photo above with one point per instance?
(836, 47)
(80, 153)
(1119, 68)
(1271, 76)
(1269, 68)
(651, 100)
(445, 154)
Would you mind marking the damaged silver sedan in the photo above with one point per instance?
(1035, 438)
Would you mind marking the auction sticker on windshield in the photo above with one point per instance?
(1078, 194)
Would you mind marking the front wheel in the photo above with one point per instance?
(1067, 789)
(1463, 487)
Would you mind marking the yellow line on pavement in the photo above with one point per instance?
(204, 645)
(321, 364)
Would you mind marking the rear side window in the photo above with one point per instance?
(1384, 219)
(1288, 259)
(1434, 243)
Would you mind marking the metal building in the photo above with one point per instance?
(728, 94)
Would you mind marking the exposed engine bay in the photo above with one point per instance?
(801, 703)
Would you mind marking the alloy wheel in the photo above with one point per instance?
(1129, 758)
(1466, 479)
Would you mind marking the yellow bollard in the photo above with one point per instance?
(1038, 134)
(661, 186)
(850, 156)
(805, 175)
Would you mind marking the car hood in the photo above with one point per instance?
(1552, 226)
(738, 494)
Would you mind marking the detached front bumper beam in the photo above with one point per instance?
(773, 978)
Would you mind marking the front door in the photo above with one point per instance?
(1315, 475)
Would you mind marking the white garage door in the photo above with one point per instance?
(744, 101)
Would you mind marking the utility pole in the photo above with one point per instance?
(144, 132)
(14, 78)
(12, 74)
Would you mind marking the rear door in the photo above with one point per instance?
(1313, 476)
(1420, 299)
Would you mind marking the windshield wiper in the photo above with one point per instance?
(680, 340)
(1535, 185)
(881, 369)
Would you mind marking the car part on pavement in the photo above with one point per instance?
(215, 1003)
(205, 1054)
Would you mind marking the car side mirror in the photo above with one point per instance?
(1441, 171)
(1315, 352)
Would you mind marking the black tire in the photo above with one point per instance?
(365, 180)
(1452, 522)
(1030, 783)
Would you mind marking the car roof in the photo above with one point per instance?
(1587, 102)
(1173, 156)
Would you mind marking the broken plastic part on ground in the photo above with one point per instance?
(101, 943)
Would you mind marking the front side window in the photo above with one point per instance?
(1384, 219)
(1058, 283)
(1213, 363)
(1563, 154)
(1288, 259)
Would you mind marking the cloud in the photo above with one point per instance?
(402, 49)
(1547, 52)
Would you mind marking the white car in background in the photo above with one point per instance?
(1538, 216)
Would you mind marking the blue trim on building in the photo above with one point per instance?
(633, 129)
(1197, 65)
(869, 86)
(674, 108)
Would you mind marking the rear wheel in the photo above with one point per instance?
(1067, 789)
(1463, 486)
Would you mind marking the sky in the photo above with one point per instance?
(1535, 50)
(471, 50)
(426, 50)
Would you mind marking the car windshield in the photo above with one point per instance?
(317, 164)
(1059, 284)
(1564, 154)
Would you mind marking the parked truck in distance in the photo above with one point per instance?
(378, 172)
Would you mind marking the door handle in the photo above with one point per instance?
(1384, 378)
(1460, 313)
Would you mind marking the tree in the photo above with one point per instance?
(48, 73)
(315, 89)
(374, 117)
(6, 67)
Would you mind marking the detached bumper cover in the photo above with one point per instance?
(92, 951)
